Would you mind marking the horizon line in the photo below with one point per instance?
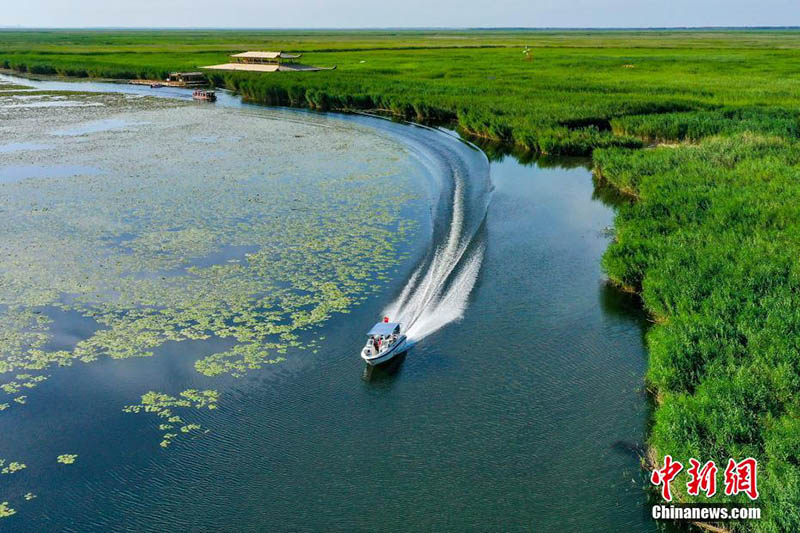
(403, 28)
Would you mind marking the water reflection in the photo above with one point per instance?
(15, 173)
(608, 194)
(386, 372)
(497, 150)
(622, 304)
(18, 147)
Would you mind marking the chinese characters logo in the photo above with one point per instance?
(739, 477)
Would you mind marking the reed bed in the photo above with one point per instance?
(579, 91)
(711, 243)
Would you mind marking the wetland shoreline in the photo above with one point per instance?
(444, 119)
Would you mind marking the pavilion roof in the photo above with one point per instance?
(266, 55)
(252, 67)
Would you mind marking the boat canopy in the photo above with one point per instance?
(384, 328)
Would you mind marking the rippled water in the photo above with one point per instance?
(525, 414)
(12, 173)
(15, 147)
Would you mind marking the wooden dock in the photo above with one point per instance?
(177, 79)
(159, 82)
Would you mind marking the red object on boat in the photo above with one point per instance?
(386, 319)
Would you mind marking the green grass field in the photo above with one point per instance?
(710, 238)
(560, 102)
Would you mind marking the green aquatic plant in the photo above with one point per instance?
(163, 406)
(26, 381)
(12, 468)
(29, 496)
(238, 360)
(23, 332)
(711, 243)
(5, 510)
(167, 439)
(67, 458)
(142, 277)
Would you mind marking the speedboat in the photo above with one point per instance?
(384, 341)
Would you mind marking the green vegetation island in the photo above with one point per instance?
(698, 128)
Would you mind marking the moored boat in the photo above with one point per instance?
(384, 341)
(202, 94)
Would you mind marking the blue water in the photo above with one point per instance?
(523, 415)
(14, 173)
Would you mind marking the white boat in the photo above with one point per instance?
(384, 341)
(206, 96)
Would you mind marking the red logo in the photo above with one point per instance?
(739, 477)
(664, 475)
(704, 478)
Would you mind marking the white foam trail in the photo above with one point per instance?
(440, 297)
(452, 304)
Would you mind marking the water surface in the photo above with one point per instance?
(523, 415)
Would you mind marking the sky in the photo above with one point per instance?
(398, 13)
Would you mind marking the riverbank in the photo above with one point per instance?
(710, 244)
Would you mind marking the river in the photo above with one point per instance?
(523, 410)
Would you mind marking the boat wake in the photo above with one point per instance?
(437, 293)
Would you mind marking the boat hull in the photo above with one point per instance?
(400, 346)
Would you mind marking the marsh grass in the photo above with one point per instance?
(569, 99)
(712, 244)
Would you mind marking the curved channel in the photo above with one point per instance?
(525, 414)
